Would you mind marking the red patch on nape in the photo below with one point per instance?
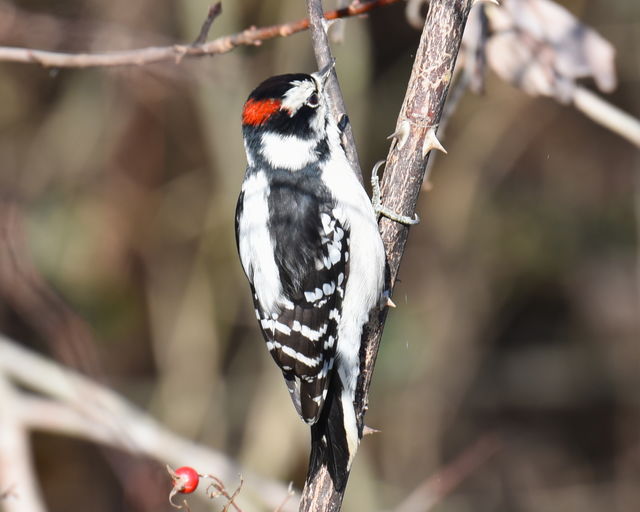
(257, 112)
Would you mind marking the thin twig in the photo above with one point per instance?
(214, 12)
(221, 490)
(324, 58)
(606, 114)
(250, 37)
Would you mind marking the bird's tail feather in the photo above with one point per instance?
(334, 441)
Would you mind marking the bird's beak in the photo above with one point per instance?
(323, 75)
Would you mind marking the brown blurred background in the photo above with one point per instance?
(518, 303)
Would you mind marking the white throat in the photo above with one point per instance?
(288, 152)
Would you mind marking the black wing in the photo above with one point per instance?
(302, 335)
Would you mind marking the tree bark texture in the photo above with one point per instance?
(401, 185)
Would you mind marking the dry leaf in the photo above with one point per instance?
(542, 48)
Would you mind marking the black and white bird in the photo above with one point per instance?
(309, 244)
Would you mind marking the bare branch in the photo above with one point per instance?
(606, 114)
(421, 112)
(250, 37)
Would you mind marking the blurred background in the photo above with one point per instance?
(518, 316)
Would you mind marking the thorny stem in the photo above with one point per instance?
(402, 181)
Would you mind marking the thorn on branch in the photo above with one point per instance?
(214, 12)
(431, 142)
(401, 134)
(367, 431)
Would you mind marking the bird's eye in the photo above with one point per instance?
(313, 101)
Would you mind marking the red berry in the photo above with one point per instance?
(185, 480)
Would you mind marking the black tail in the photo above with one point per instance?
(329, 445)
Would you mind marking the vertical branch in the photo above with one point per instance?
(415, 138)
(419, 117)
(402, 181)
(318, 26)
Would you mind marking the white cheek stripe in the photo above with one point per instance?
(295, 97)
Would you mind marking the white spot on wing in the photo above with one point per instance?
(279, 326)
(334, 254)
(326, 223)
(287, 304)
(329, 288)
(329, 342)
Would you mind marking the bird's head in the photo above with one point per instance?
(285, 118)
